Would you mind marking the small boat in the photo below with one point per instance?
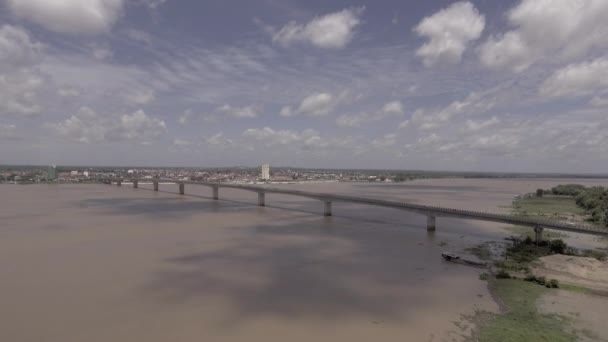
(455, 258)
(449, 256)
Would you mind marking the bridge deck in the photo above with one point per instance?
(418, 208)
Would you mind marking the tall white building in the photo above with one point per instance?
(266, 172)
(51, 172)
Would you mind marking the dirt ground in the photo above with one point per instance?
(586, 272)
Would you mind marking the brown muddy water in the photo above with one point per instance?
(103, 263)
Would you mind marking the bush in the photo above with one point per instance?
(502, 274)
(553, 284)
(557, 246)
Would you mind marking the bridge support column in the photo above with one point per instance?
(327, 208)
(135, 184)
(118, 182)
(182, 188)
(155, 186)
(538, 230)
(430, 223)
(216, 193)
(261, 199)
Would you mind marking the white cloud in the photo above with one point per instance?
(247, 112)
(88, 127)
(219, 140)
(317, 104)
(182, 142)
(84, 127)
(139, 36)
(403, 124)
(7, 131)
(138, 126)
(577, 79)
(272, 137)
(562, 29)
(478, 125)
(68, 92)
(449, 31)
(386, 141)
(356, 120)
(20, 80)
(286, 111)
(140, 97)
(334, 30)
(16, 47)
(70, 16)
(434, 118)
(101, 52)
(394, 107)
(599, 101)
(152, 4)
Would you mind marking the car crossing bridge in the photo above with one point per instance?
(431, 212)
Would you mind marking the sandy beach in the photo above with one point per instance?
(103, 263)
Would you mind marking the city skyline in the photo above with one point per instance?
(439, 85)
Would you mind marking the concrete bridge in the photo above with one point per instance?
(431, 212)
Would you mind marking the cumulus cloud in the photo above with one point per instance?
(334, 30)
(449, 31)
(394, 107)
(578, 79)
(17, 48)
(69, 16)
(87, 127)
(20, 80)
(561, 29)
(317, 104)
(247, 112)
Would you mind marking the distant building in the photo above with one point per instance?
(266, 172)
(51, 172)
(85, 173)
(74, 173)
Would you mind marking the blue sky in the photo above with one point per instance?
(448, 85)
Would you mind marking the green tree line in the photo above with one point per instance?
(593, 199)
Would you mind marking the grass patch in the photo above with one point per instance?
(558, 207)
(576, 288)
(520, 321)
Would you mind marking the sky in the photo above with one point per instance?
(515, 86)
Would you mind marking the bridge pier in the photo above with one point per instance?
(118, 183)
(327, 208)
(182, 189)
(538, 232)
(430, 223)
(135, 184)
(216, 192)
(261, 199)
(155, 186)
